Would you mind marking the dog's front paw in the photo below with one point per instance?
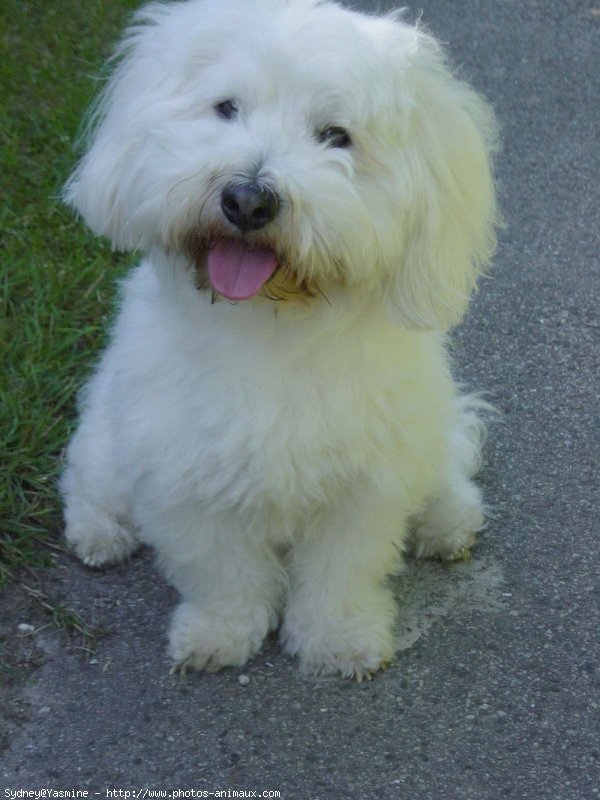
(100, 540)
(209, 638)
(353, 644)
(356, 666)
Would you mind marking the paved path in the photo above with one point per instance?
(496, 693)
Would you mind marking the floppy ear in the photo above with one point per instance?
(104, 188)
(450, 214)
(96, 189)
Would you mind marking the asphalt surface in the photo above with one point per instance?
(495, 691)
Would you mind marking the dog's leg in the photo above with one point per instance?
(232, 584)
(96, 503)
(455, 512)
(340, 615)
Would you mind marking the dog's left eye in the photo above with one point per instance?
(334, 136)
(226, 109)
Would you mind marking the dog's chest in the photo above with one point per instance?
(242, 410)
(280, 435)
(280, 421)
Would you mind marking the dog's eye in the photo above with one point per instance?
(226, 109)
(334, 136)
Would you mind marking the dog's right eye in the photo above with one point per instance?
(334, 136)
(226, 109)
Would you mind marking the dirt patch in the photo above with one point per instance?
(21, 653)
(35, 623)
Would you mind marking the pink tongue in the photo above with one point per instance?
(238, 273)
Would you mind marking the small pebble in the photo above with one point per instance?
(25, 628)
(244, 680)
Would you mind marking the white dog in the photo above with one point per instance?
(311, 188)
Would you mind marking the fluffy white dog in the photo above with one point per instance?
(311, 188)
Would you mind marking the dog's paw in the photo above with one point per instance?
(356, 660)
(357, 667)
(447, 529)
(352, 645)
(462, 554)
(101, 541)
(211, 638)
(449, 545)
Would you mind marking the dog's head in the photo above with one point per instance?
(298, 135)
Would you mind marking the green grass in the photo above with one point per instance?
(58, 281)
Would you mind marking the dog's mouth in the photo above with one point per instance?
(237, 271)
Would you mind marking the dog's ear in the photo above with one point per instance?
(450, 215)
(97, 189)
(104, 188)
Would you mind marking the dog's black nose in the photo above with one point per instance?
(249, 206)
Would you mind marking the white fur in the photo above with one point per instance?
(274, 453)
